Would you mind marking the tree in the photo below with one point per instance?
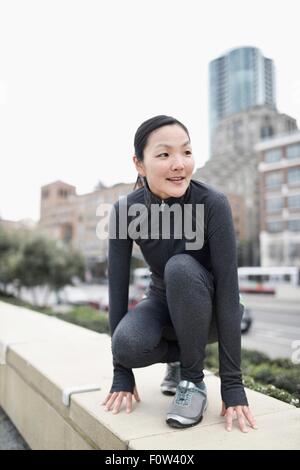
(46, 262)
(66, 264)
(10, 256)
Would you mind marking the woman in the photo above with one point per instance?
(193, 296)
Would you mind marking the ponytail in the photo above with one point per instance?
(140, 183)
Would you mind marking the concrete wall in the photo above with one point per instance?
(43, 358)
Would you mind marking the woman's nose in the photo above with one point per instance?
(177, 163)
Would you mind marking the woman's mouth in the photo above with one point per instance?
(176, 180)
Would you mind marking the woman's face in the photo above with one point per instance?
(168, 154)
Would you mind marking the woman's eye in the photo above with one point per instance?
(166, 154)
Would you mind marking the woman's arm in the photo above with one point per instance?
(119, 255)
(222, 245)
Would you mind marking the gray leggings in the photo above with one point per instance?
(174, 322)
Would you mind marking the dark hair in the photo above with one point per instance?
(142, 134)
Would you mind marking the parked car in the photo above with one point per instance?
(103, 302)
(135, 294)
(141, 278)
(246, 320)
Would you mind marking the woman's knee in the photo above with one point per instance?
(177, 266)
(182, 269)
(128, 349)
(121, 346)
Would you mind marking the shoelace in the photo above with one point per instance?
(184, 395)
(172, 373)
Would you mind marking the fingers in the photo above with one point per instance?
(106, 399)
(136, 394)
(118, 402)
(110, 401)
(113, 401)
(241, 413)
(249, 417)
(129, 403)
(241, 420)
(229, 416)
(223, 411)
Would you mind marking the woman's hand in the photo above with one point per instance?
(241, 413)
(114, 400)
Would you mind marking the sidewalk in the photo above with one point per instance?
(10, 439)
(269, 302)
(42, 359)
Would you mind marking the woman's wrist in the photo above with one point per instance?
(123, 379)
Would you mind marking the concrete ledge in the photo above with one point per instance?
(43, 357)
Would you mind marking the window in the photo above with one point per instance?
(275, 227)
(294, 251)
(266, 131)
(63, 193)
(276, 251)
(274, 179)
(67, 233)
(274, 204)
(294, 201)
(236, 129)
(294, 225)
(290, 126)
(293, 151)
(273, 155)
(294, 176)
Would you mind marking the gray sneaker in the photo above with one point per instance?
(188, 405)
(171, 379)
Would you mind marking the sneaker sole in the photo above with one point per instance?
(174, 423)
(168, 391)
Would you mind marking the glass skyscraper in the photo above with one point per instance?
(238, 80)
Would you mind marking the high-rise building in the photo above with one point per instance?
(239, 80)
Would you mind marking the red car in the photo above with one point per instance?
(134, 296)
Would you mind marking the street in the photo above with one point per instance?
(276, 326)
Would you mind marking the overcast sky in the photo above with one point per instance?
(78, 77)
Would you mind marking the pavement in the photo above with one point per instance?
(10, 438)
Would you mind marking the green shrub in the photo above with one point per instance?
(84, 316)
(211, 361)
(10, 299)
(283, 363)
(254, 357)
(272, 391)
(263, 373)
(278, 378)
(87, 317)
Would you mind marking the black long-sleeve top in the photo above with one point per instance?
(217, 255)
